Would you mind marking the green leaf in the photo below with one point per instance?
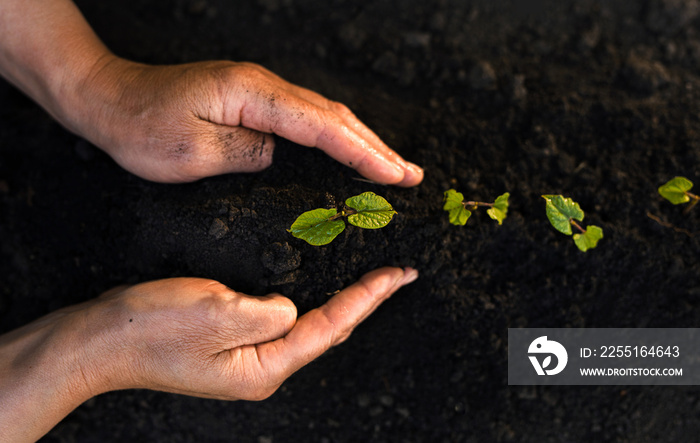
(452, 199)
(316, 226)
(675, 190)
(454, 206)
(373, 211)
(459, 216)
(560, 211)
(499, 209)
(589, 239)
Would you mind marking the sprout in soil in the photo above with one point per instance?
(676, 191)
(459, 211)
(320, 226)
(563, 213)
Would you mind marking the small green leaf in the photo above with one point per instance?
(499, 209)
(560, 211)
(675, 190)
(452, 199)
(589, 239)
(454, 206)
(316, 226)
(459, 216)
(373, 211)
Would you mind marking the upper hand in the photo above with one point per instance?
(185, 122)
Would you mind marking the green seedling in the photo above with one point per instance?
(676, 191)
(563, 213)
(459, 211)
(320, 226)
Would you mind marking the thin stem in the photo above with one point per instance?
(583, 231)
(344, 213)
(692, 203)
(471, 205)
(666, 224)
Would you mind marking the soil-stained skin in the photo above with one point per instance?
(245, 147)
(597, 100)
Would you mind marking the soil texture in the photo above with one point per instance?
(596, 100)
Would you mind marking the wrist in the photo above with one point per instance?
(50, 52)
(46, 48)
(89, 104)
(39, 380)
(51, 366)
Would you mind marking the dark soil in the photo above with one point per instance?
(598, 100)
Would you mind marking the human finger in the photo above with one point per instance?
(413, 173)
(319, 329)
(343, 112)
(252, 319)
(264, 105)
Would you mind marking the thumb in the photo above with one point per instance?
(228, 149)
(324, 327)
(262, 318)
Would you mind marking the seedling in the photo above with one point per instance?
(320, 226)
(676, 191)
(563, 213)
(459, 211)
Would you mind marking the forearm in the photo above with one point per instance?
(47, 49)
(50, 366)
(37, 386)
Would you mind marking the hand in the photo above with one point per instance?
(185, 122)
(176, 123)
(198, 337)
(184, 335)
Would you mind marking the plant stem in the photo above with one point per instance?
(473, 205)
(692, 203)
(666, 224)
(571, 220)
(344, 213)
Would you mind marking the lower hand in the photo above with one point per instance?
(198, 337)
(185, 335)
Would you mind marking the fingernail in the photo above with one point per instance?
(415, 169)
(413, 175)
(410, 275)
